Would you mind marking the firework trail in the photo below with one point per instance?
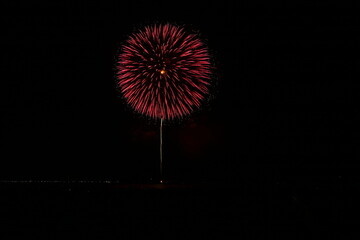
(164, 72)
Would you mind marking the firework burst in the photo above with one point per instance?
(164, 72)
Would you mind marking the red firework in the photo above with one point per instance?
(164, 72)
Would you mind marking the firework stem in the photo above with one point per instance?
(161, 154)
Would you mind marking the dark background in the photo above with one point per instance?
(280, 121)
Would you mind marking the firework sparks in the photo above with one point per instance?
(163, 72)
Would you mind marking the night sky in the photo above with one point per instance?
(280, 119)
(283, 102)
